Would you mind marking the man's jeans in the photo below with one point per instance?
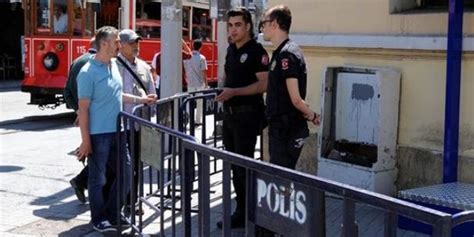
(104, 157)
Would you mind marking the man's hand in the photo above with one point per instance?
(317, 120)
(76, 121)
(314, 118)
(153, 98)
(226, 94)
(148, 99)
(84, 150)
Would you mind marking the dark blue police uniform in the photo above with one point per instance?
(244, 115)
(287, 126)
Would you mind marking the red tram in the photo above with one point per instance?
(58, 31)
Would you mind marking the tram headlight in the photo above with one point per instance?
(51, 61)
(59, 47)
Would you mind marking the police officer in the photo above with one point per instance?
(246, 72)
(287, 112)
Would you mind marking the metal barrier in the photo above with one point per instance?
(291, 203)
(209, 106)
(159, 144)
(152, 144)
(281, 200)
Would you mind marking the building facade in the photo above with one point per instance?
(410, 39)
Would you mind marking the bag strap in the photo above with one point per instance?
(135, 76)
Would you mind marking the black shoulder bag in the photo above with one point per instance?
(135, 76)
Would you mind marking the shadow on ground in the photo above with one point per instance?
(39, 123)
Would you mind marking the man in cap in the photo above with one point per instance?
(137, 82)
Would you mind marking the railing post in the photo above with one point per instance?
(320, 213)
(187, 183)
(119, 173)
(174, 171)
(204, 195)
(226, 199)
(349, 227)
(390, 229)
(443, 227)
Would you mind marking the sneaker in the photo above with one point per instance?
(236, 221)
(104, 226)
(79, 191)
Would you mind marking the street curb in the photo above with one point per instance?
(10, 85)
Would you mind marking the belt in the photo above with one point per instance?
(286, 117)
(240, 109)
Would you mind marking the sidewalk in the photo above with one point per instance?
(36, 164)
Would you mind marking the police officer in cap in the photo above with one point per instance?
(287, 112)
(246, 72)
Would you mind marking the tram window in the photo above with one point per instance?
(60, 18)
(108, 13)
(28, 23)
(42, 16)
(77, 20)
(148, 15)
(185, 26)
(92, 11)
(201, 24)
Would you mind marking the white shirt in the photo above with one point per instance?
(60, 24)
(130, 85)
(194, 68)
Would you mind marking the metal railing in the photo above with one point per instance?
(441, 222)
(173, 164)
(153, 135)
(162, 138)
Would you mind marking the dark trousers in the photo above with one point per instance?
(240, 136)
(286, 136)
(105, 158)
(135, 157)
(82, 178)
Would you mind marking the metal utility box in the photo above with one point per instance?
(360, 108)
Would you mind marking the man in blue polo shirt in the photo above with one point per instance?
(100, 101)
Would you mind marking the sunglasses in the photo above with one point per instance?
(261, 24)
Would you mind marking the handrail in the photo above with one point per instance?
(159, 126)
(185, 101)
(421, 213)
(442, 223)
(462, 217)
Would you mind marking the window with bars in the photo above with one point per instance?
(425, 6)
(444, 4)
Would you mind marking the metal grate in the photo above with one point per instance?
(453, 195)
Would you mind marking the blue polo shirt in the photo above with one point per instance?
(102, 85)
